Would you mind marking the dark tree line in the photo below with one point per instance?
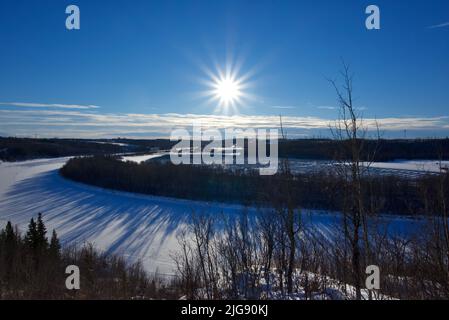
(17, 149)
(33, 267)
(387, 149)
(320, 190)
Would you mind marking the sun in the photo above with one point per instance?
(227, 90)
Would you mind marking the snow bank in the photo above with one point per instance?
(142, 158)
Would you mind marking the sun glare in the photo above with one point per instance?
(227, 90)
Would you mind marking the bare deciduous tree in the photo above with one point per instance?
(354, 161)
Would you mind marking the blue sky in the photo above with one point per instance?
(137, 68)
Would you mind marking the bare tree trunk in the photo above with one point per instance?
(350, 131)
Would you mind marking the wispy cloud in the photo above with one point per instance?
(283, 107)
(326, 107)
(335, 108)
(441, 25)
(87, 124)
(48, 105)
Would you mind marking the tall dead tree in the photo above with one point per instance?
(353, 162)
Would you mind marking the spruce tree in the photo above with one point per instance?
(55, 246)
(10, 236)
(42, 241)
(10, 239)
(31, 235)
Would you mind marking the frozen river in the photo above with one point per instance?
(139, 227)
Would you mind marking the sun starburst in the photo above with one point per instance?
(227, 89)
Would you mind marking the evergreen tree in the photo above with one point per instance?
(41, 232)
(9, 239)
(10, 236)
(55, 246)
(31, 235)
(10, 245)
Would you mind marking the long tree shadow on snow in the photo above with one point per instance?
(138, 226)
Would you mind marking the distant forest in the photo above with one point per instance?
(384, 150)
(321, 190)
(16, 149)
